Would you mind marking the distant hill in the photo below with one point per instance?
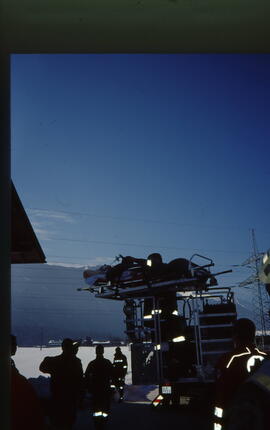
(46, 305)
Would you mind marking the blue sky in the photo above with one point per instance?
(135, 154)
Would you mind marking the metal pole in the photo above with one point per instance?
(157, 337)
(140, 323)
(160, 343)
(199, 330)
(195, 319)
(5, 247)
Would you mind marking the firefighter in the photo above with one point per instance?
(98, 378)
(120, 371)
(250, 408)
(155, 268)
(66, 384)
(234, 368)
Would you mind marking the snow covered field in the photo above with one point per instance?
(27, 361)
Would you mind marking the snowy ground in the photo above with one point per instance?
(27, 361)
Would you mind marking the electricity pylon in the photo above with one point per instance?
(260, 298)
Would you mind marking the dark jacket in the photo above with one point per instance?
(233, 369)
(26, 409)
(66, 375)
(98, 375)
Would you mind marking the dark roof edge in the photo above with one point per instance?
(21, 254)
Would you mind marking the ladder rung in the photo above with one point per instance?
(216, 325)
(216, 340)
(217, 315)
(214, 352)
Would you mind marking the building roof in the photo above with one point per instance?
(25, 247)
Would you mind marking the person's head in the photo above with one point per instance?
(13, 344)
(118, 350)
(244, 332)
(70, 347)
(99, 350)
(154, 259)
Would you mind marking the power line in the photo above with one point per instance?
(64, 311)
(146, 245)
(78, 299)
(129, 219)
(143, 220)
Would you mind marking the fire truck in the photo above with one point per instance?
(178, 322)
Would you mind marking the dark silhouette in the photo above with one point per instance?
(26, 410)
(234, 368)
(66, 384)
(155, 268)
(120, 371)
(114, 273)
(98, 377)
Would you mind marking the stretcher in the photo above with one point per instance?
(138, 279)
